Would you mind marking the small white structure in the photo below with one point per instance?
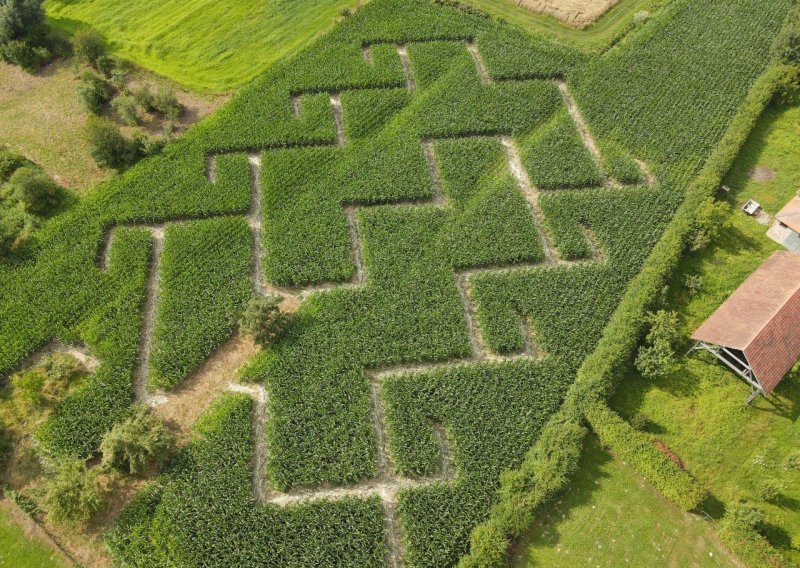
(786, 229)
(752, 207)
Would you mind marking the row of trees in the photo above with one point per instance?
(25, 39)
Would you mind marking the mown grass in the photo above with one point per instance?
(612, 517)
(699, 410)
(205, 45)
(19, 551)
(42, 118)
(596, 37)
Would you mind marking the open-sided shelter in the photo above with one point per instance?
(756, 332)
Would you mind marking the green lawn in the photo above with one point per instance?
(699, 411)
(611, 517)
(18, 551)
(206, 45)
(594, 38)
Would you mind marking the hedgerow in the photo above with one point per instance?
(526, 414)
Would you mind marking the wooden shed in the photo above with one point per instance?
(756, 332)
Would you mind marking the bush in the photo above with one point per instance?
(71, 493)
(739, 531)
(13, 224)
(95, 92)
(166, 103)
(262, 320)
(144, 98)
(710, 219)
(792, 461)
(770, 490)
(25, 54)
(693, 284)
(5, 447)
(640, 421)
(787, 45)
(33, 189)
(127, 108)
(19, 18)
(137, 442)
(108, 146)
(88, 46)
(9, 163)
(657, 358)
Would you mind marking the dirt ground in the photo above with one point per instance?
(762, 173)
(576, 13)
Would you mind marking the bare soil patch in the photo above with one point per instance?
(762, 173)
(577, 13)
(194, 395)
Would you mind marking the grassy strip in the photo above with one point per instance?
(636, 449)
(542, 474)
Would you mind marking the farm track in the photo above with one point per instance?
(386, 484)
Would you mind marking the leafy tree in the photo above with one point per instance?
(88, 46)
(710, 218)
(165, 101)
(657, 357)
(262, 320)
(108, 146)
(95, 92)
(71, 493)
(140, 440)
(9, 163)
(127, 108)
(19, 18)
(25, 54)
(33, 189)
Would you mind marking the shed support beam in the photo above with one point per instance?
(723, 353)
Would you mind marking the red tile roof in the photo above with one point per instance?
(762, 319)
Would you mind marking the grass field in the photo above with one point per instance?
(42, 118)
(423, 190)
(18, 551)
(699, 411)
(611, 517)
(202, 44)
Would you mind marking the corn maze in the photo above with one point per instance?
(450, 209)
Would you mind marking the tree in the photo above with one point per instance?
(33, 189)
(88, 46)
(108, 146)
(71, 493)
(95, 92)
(262, 320)
(19, 18)
(657, 357)
(140, 440)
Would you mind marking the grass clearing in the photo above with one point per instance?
(201, 44)
(612, 517)
(22, 549)
(699, 411)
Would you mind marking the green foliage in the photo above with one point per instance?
(72, 493)
(770, 490)
(786, 47)
(33, 190)
(710, 219)
(88, 46)
(25, 54)
(13, 224)
(108, 146)
(165, 102)
(127, 107)
(24, 39)
(9, 163)
(18, 18)
(262, 320)
(204, 288)
(6, 446)
(640, 421)
(657, 357)
(738, 530)
(141, 440)
(95, 92)
(792, 461)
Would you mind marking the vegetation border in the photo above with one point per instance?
(548, 465)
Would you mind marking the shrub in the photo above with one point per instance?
(640, 421)
(140, 440)
(19, 18)
(739, 531)
(144, 98)
(25, 54)
(792, 461)
(95, 92)
(34, 190)
(71, 493)
(127, 108)
(693, 284)
(166, 103)
(770, 490)
(5, 446)
(9, 163)
(88, 46)
(108, 146)
(787, 45)
(657, 357)
(262, 320)
(13, 224)
(710, 219)
(345, 11)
